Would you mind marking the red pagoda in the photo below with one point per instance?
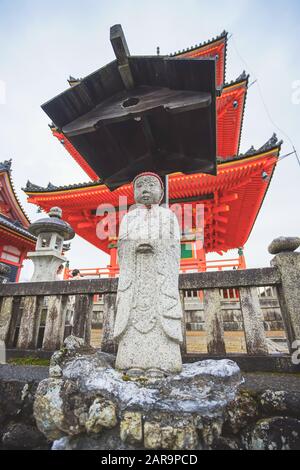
(15, 240)
(232, 199)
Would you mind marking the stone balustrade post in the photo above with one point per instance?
(108, 344)
(287, 261)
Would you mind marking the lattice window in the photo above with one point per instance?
(11, 253)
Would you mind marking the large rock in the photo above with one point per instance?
(91, 400)
(201, 386)
(278, 433)
(131, 428)
(108, 440)
(284, 244)
(21, 436)
(18, 429)
(48, 408)
(242, 411)
(16, 399)
(280, 403)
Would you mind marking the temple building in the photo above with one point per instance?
(15, 239)
(231, 200)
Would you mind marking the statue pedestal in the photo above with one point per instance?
(87, 404)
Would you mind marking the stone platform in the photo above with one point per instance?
(86, 399)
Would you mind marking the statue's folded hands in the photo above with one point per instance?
(144, 248)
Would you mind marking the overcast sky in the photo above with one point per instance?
(43, 42)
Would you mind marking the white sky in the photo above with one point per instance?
(42, 43)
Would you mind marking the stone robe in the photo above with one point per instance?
(149, 314)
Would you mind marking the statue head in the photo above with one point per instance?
(148, 189)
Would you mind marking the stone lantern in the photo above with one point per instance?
(51, 232)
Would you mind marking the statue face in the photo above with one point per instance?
(147, 190)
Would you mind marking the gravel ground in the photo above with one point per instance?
(265, 381)
(23, 373)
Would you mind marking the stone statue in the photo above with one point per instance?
(148, 323)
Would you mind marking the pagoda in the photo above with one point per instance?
(15, 239)
(232, 199)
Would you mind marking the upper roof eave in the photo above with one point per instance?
(4, 221)
(243, 78)
(209, 43)
(6, 167)
(270, 145)
(223, 35)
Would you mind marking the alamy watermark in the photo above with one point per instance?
(190, 219)
(2, 92)
(296, 92)
(296, 353)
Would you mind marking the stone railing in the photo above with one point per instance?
(34, 315)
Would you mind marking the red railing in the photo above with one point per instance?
(185, 267)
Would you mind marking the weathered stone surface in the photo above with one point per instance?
(224, 443)
(253, 322)
(55, 322)
(288, 265)
(73, 343)
(104, 441)
(55, 371)
(284, 244)
(278, 433)
(152, 436)
(200, 386)
(48, 408)
(214, 322)
(186, 438)
(74, 347)
(241, 412)
(90, 395)
(5, 317)
(164, 431)
(16, 401)
(102, 414)
(17, 426)
(280, 403)
(108, 344)
(210, 428)
(131, 428)
(82, 320)
(21, 436)
(30, 323)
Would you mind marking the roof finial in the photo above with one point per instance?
(73, 81)
(55, 212)
(6, 165)
(271, 143)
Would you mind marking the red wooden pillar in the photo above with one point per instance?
(201, 258)
(22, 257)
(113, 266)
(242, 259)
